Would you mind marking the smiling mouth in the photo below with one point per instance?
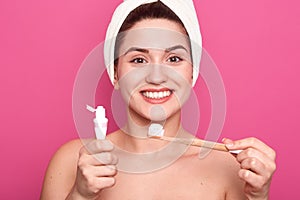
(157, 95)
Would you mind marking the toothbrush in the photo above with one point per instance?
(100, 121)
(156, 131)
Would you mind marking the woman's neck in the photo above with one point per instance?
(134, 136)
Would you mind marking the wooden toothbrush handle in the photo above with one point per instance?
(209, 144)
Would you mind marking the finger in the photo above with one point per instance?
(254, 143)
(261, 157)
(97, 146)
(255, 166)
(105, 158)
(233, 152)
(227, 141)
(105, 170)
(256, 181)
(105, 182)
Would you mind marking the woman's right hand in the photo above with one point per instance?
(96, 169)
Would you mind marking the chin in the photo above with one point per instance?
(159, 114)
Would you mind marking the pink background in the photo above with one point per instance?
(42, 44)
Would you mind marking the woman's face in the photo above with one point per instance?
(154, 71)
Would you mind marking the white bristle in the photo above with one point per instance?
(156, 130)
(235, 151)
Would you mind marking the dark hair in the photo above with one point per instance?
(155, 10)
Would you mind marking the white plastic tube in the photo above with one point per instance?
(100, 121)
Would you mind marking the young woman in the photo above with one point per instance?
(154, 69)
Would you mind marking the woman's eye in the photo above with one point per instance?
(138, 60)
(174, 59)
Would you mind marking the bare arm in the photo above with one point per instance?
(80, 172)
(61, 172)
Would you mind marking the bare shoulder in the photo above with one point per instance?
(67, 154)
(61, 171)
(222, 169)
(220, 163)
(71, 147)
(234, 185)
(229, 169)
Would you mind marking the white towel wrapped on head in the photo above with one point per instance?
(184, 9)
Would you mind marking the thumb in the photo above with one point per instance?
(227, 141)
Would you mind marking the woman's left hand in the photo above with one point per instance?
(257, 161)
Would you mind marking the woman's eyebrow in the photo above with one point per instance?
(176, 47)
(136, 49)
(147, 51)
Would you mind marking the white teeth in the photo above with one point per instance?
(160, 94)
(165, 93)
(157, 95)
(151, 95)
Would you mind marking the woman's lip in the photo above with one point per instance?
(156, 90)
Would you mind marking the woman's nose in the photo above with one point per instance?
(156, 74)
